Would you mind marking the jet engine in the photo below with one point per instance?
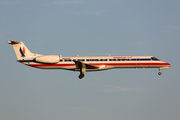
(49, 59)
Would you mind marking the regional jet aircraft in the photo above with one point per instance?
(84, 64)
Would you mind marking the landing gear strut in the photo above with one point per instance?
(159, 73)
(82, 67)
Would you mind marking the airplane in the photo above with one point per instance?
(84, 64)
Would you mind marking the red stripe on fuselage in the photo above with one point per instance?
(100, 64)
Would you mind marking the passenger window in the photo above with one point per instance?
(105, 59)
(61, 60)
(133, 59)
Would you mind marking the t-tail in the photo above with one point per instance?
(21, 50)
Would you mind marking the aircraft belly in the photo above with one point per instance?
(55, 67)
(52, 66)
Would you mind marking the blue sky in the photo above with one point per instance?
(90, 27)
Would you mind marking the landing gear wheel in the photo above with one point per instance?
(81, 76)
(159, 73)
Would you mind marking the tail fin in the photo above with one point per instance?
(21, 50)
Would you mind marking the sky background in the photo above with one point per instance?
(90, 27)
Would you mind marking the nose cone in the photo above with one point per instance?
(169, 65)
(165, 64)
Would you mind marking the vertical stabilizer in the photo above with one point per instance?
(21, 50)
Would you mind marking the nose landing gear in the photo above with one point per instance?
(159, 73)
(161, 69)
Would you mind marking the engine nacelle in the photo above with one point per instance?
(49, 59)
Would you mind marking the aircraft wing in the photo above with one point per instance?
(80, 64)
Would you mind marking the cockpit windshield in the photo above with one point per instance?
(155, 59)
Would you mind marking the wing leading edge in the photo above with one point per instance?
(80, 65)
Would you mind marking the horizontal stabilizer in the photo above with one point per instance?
(13, 42)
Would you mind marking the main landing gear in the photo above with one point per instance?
(82, 68)
(82, 72)
(81, 76)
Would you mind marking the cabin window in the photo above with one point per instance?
(96, 59)
(146, 59)
(103, 60)
(133, 59)
(110, 59)
(61, 60)
(69, 60)
(138, 59)
(80, 59)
